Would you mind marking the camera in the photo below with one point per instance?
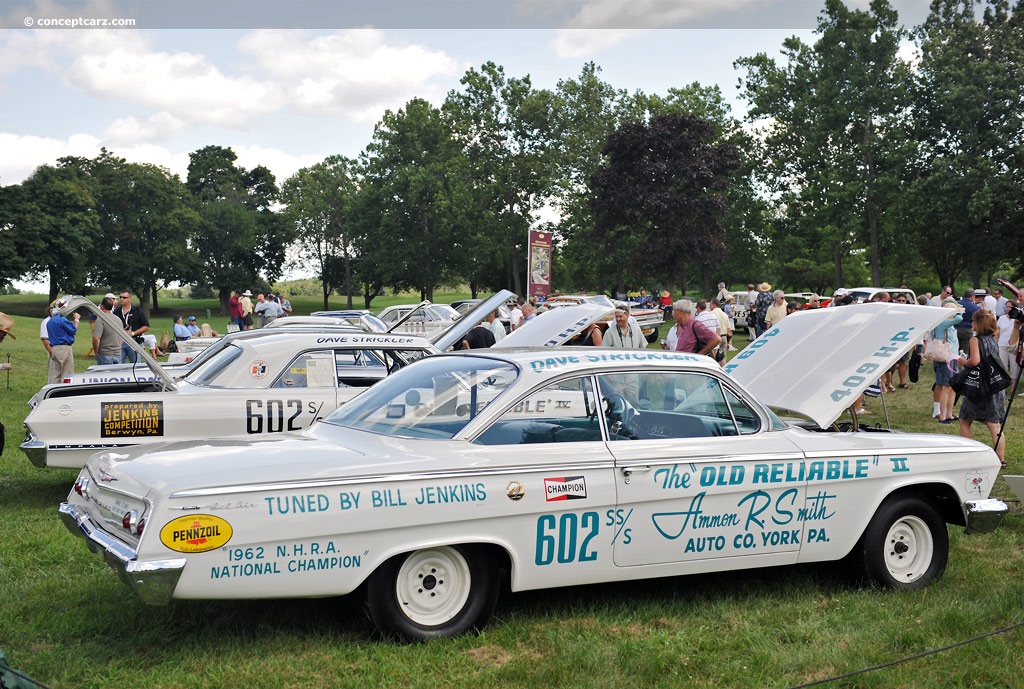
(1016, 313)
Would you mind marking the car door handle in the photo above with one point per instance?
(629, 471)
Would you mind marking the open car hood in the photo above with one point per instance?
(454, 333)
(71, 303)
(555, 327)
(819, 361)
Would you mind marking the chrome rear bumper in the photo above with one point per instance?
(154, 582)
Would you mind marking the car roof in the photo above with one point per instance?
(543, 361)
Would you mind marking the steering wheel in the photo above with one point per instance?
(619, 413)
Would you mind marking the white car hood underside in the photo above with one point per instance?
(817, 362)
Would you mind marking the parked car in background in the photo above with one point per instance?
(424, 319)
(866, 294)
(464, 306)
(264, 381)
(361, 318)
(804, 299)
(546, 468)
(649, 319)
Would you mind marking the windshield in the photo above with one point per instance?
(435, 398)
(443, 312)
(213, 366)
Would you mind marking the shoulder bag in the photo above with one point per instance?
(936, 349)
(981, 381)
(993, 374)
(967, 383)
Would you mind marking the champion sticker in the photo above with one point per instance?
(259, 369)
(565, 488)
(515, 491)
(195, 533)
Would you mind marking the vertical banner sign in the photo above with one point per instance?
(540, 264)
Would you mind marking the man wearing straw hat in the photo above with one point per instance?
(6, 326)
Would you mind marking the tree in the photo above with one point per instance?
(14, 232)
(506, 127)
(147, 223)
(969, 125)
(411, 221)
(660, 197)
(319, 202)
(830, 119)
(240, 236)
(588, 110)
(58, 226)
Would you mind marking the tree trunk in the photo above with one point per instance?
(869, 204)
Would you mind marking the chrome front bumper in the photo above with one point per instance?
(154, 582)
(984, 516)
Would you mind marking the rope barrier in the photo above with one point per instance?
(916, 656)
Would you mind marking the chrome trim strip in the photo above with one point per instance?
(552, 469)
(895, 451)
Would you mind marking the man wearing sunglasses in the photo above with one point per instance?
(134, 322)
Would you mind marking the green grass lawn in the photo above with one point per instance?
(67, 621)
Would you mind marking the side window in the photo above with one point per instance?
(309, 370)
(359, 368)
(564, 412)
(656, 405)
(746, 418)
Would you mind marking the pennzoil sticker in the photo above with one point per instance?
(565, 488)
(131, 419)
(195, 533)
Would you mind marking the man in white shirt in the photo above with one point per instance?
(1000, 301)
(516, 315)
(711, 322)
(947, 291)
(495, 325)
(622, 333)
(989, 301)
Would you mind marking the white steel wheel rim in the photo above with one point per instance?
(433, 585)
(909, 548)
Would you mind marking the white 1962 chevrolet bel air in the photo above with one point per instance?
(553, 467)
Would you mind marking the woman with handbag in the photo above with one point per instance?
(988, 409)
(939, 348)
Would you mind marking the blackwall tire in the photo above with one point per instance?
(906, 545)
(433, 593)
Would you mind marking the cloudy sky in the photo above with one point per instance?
(285, 84)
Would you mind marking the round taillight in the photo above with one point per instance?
(80, 485)
(140, 527)
(130, 521)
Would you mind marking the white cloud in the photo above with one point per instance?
(282, 164)
(650, 14)
(49, 48)
(182, 84)
(571, 43)
(23, 154)
(133, 130)
(606, 23)
(352, 73)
